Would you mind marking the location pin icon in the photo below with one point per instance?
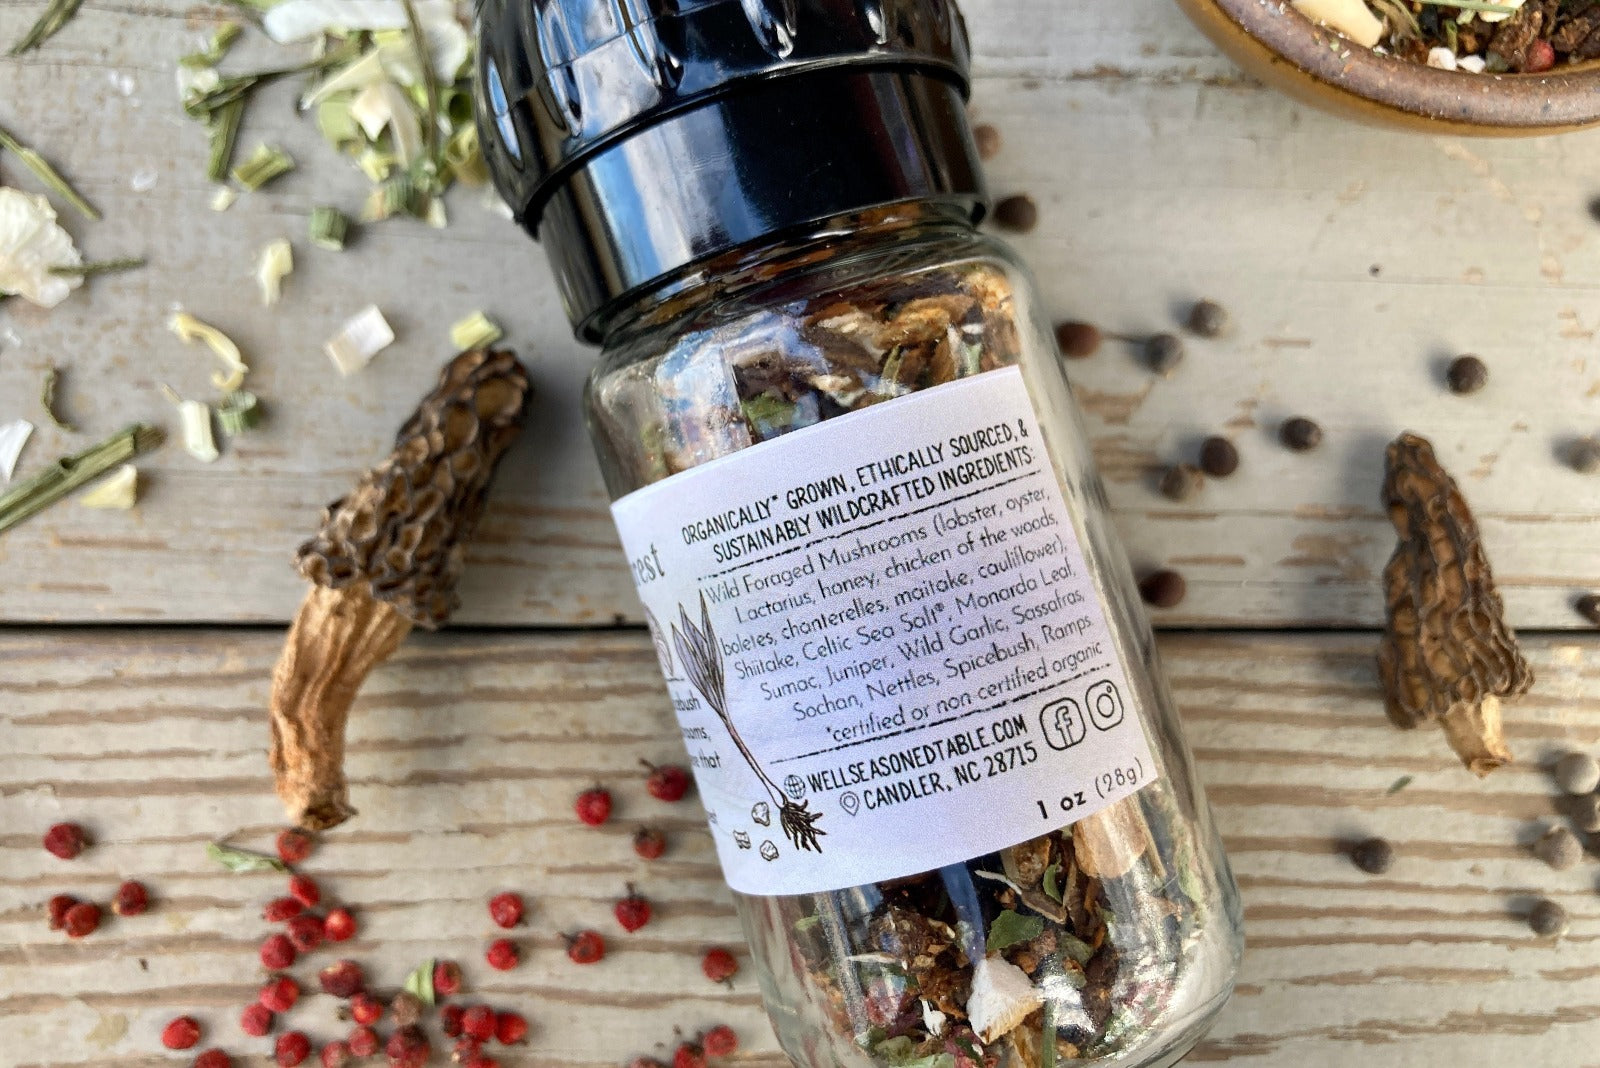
(849, 802)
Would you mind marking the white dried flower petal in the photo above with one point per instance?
(277, 261)
(13, 436)
(933, 1020)
(119, 490)
(30, 244)
(1002, 997)
(359, 340)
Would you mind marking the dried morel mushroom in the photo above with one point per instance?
(387, 558)
(1448, 656)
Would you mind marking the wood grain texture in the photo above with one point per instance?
(1355, 262)
(465, 754)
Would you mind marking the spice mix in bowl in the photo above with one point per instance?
(1502, 68)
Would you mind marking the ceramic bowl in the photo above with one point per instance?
(1315, 65)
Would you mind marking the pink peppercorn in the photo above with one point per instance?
(292, 1049)
(256, 1020)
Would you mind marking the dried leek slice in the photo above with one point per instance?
(365, 335)
(119, 491)
(330, 227)
(277, 261)
(239, 412)
(474, 332)
(197, 439)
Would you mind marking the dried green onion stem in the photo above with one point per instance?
(94, 267)
(239, 412)
(225, 123)
(55, 16)
(47, 174)
(329, 227)
(265, 163)
(72, 472)
(430, 84)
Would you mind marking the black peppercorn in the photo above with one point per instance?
(1163, 589)
(1467, 374)
(1585, 456)
(1300, 434)
(1165, 353)
(1548, 919)
(1018, 213)
(1559, 848)
(987, 139)
(1078, 340)
(1588, 607)
(1218, 457)
(1374, 856)
(1208, 318)
(1182, 482)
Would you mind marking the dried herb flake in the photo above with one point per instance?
(420, 982)
(242, 861)
(1050, 881)
(1011, 927)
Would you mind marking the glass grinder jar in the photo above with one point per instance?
(944, 775)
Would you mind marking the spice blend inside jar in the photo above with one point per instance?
(944, 776)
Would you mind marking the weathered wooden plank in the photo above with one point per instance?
(1353, 260)
(466, 751)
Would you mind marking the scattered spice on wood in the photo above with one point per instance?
(1448, 655)
(70, 473)
(1300, 434)
(1548, 919)
(1559, 848)
(1219, 457)
(388, 557)
(1588, 606)
(1078, 340)
(1467, 374)
(1163, 589)
(1577, 773)
(1182, 482)
(1208, 319)
(988, 140)
(1584, 456)
(1375, 856)
(1018, 213)
(1164, 352)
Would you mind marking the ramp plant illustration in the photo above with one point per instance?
(700, 657)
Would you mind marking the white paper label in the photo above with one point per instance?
(883, 645)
